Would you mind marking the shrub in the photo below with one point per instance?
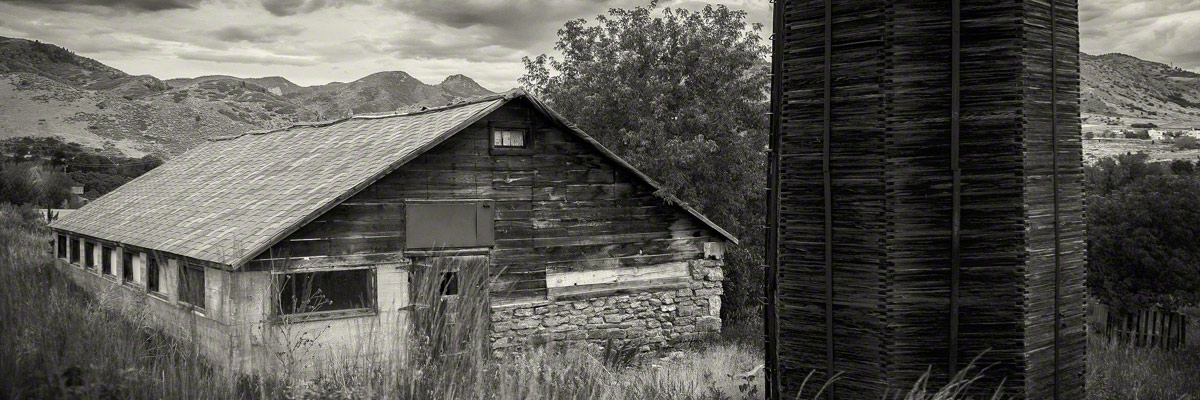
(1187, 143)
(1144, 243)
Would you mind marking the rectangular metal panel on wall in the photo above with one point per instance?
(926, 196)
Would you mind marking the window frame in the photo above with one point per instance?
(184, 296)
(89, 255)
(127, 265)
(280, 277)
(75, 251)
(153, 270)
(106, 264)
(61, 251)
(496, 126)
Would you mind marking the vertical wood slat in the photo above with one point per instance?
(956, 176)
(1054, 184)
(826, 149)
(1152, 327)
(890, 71)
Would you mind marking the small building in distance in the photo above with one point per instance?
(335, 230)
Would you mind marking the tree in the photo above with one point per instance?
(55, 189)
(1144, 243)
(17, 185)
(683, 96)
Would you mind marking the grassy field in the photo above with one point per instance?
(58, 342)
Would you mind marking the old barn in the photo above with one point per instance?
(325, 227)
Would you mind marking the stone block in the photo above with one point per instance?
(614, 318)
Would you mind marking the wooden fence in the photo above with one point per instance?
(1142, 328)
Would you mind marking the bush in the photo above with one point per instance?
(1187, 143)
(1143, 235)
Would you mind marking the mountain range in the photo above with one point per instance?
(47, 90)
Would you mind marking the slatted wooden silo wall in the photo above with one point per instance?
(885, 261)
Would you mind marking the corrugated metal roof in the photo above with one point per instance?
(229, 199)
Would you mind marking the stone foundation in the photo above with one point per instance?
(651, 318)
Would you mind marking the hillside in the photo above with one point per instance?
(1118, 85)
(46, 90)
(382, 92)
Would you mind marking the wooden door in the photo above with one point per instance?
(451, 315)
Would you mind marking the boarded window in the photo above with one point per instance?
(127, 267)
(315, 292)
(106, 263)
(62, 246)
(152, 275)
(191, 285)
(74, 251)
(449, 225)
(89, 255)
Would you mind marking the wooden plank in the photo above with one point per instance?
(616, 276)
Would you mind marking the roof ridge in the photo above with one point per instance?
(510, 94)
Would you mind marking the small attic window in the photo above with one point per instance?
(507, 137)
(510, 138)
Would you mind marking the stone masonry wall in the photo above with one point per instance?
(652, 319)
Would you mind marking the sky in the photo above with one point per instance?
(313, 42)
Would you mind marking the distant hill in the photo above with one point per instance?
(46, 90)
(382, 92)
(1119, 85)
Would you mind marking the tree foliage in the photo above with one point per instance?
(97, 172)
(683, 96)
(1144, 233)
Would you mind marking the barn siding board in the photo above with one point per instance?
(901, 299)
(564, 208)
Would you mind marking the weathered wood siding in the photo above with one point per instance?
(562, 207)
(929, 195)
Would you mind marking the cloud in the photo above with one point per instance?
(1158, 30)
(256, 33)
(246, 58)
(517, 24)
(283, 8)
(129, 5)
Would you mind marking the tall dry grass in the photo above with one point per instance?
(59, 341)
(56, 341)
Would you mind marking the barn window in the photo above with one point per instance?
(439, 225)
(127, 267)
(152, 275)
(62, 246)
(106, 260)
(191, 285)
(510, 138)
(449, 284)
(89, 255)
(327, 291)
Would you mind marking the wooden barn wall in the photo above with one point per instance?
(856, 168)
(1054, 203)
(564, 207)
(889, 265)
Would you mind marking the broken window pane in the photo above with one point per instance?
(327, 291)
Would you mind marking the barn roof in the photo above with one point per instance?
(232, 198)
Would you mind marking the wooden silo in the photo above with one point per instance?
(926, 196)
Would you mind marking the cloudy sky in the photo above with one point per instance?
(318, 41)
